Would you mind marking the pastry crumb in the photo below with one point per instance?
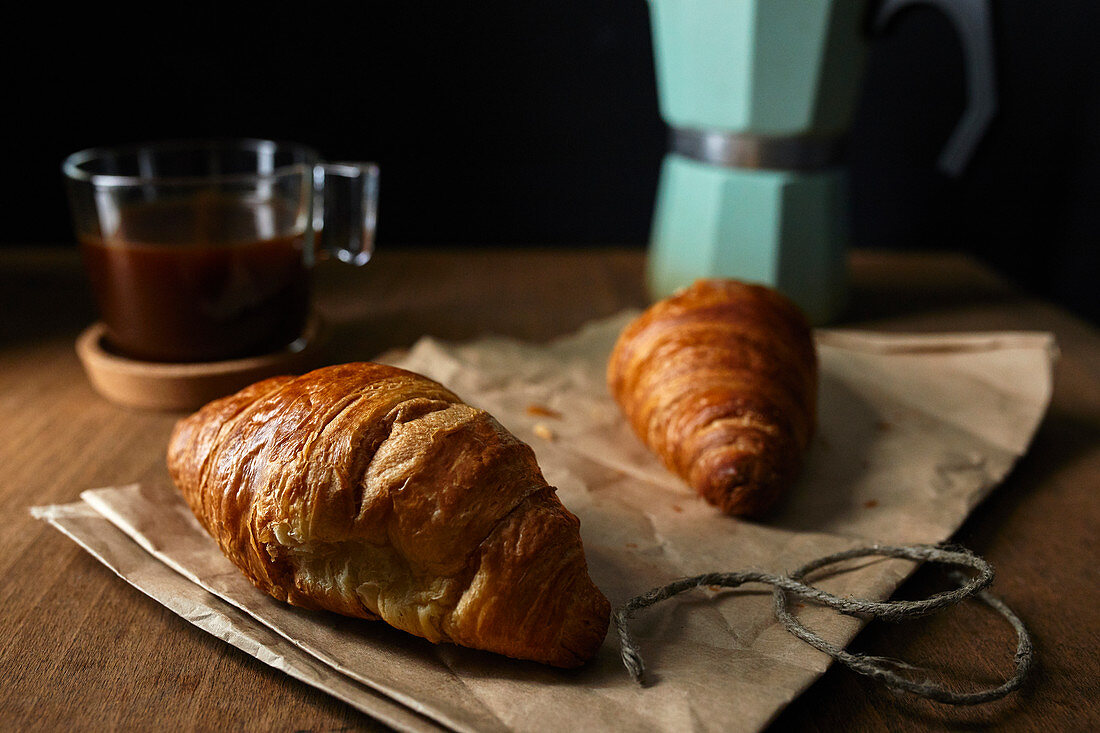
(542, 411)
(544, 432)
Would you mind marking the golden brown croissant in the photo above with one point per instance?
(375, 492)
(720, 381)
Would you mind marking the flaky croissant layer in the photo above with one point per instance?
(720, 381)
(375, 492)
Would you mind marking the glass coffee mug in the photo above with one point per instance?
(201, 251)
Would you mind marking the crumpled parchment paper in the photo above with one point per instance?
(913, 432)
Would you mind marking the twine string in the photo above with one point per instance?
(883, 669)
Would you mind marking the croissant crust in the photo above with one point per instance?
(375, 492)
(720, 381)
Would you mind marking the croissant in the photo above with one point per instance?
(720, 381)
(375, 492)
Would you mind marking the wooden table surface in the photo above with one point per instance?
(80, 649)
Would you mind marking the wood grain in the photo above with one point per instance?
(80, 649)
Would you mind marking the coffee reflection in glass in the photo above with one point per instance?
(201, 251)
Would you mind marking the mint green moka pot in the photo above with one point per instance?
(759, 95)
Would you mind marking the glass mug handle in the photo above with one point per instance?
(345, 210)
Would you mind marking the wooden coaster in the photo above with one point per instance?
(161, 386)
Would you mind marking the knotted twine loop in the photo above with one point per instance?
(879, 668)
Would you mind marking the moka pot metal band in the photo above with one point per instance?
(744, 150)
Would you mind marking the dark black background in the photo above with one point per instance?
(536, 123)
